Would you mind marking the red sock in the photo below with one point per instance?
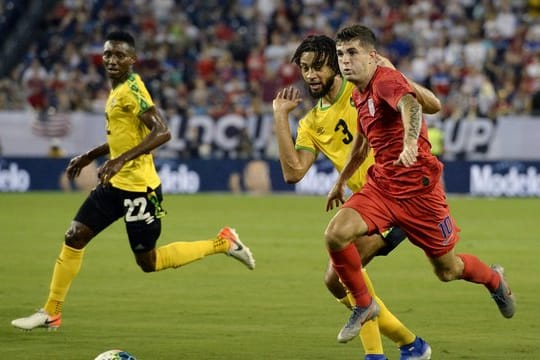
(476, 271)
(348, 266)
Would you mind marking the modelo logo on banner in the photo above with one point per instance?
(180, 181)
(12, 178)
(504, 179)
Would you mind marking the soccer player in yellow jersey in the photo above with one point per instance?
(329, 128)
(129, 187)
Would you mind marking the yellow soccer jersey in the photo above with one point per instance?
(331, 130)
(124, 131)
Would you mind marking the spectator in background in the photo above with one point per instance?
(11, 95)
(34, 80)
(55, 150)
(185, 42)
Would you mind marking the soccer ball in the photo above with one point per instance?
(115, 355)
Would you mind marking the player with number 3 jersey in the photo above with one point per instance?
(330, 128)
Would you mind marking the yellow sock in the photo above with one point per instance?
(369, 333)
(371, 337)
(182, 253)
(389, 324)
(392, 328)
(66, 268)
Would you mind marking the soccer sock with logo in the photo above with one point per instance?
(347, 264)
(474, 270)
(391, 327)
(370, 337)
(66, 268)
(181, 253)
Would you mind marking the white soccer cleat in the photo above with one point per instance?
(39, 319)
(359, 316)
(237, 249)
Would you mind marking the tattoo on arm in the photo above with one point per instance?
(411, 111)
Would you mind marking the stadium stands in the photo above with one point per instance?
(213, 58)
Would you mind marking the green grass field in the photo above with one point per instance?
(217, 309)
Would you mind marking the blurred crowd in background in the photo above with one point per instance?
(214, 57)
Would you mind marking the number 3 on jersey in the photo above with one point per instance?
(342, 126)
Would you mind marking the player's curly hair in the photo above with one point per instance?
(324, 48)
(121, 36)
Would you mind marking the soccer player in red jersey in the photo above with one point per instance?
(328, 128)
(403, 187)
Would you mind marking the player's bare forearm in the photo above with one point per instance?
(358, 154)
(77, 163)
(359, 151)
(294, 163)
(411, 113)
(97, 152)
(159, 135)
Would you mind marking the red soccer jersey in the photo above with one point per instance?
(380, 121)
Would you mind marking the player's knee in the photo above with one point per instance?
(334, 237)
(446, 275)
(77, 236)
(447, 268)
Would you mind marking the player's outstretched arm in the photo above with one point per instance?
(294, 163)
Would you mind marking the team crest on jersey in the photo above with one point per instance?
(371, 106)
(351, 101)
(320, 130)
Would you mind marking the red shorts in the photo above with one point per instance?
(425, 218)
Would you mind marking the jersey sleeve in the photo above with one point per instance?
(304, 140)
(355, 99)
(391, 87)
(139, 99)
